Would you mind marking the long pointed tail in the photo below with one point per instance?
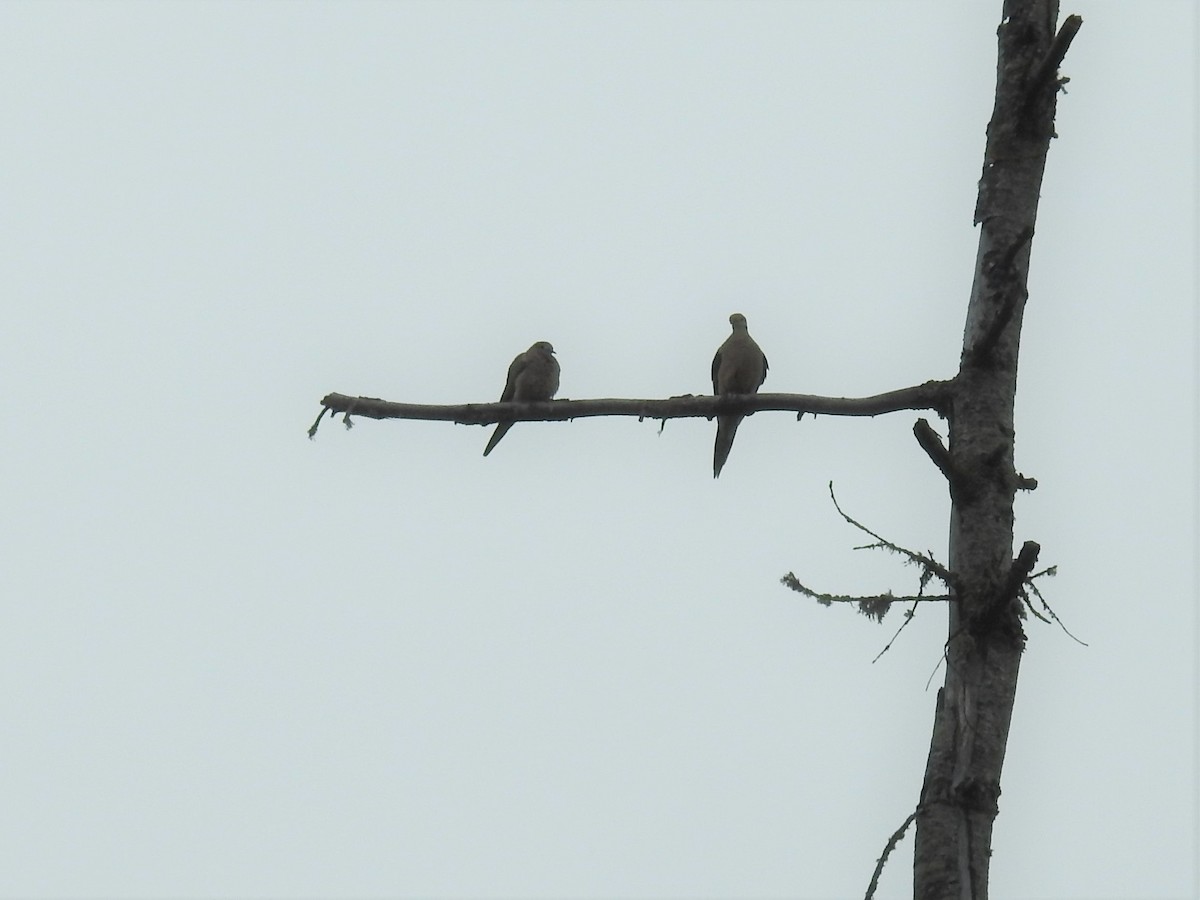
(501, 431)
(726, 429)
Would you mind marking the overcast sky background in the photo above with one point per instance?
(237, 662)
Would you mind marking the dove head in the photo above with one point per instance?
(738, 321)
(543, 347)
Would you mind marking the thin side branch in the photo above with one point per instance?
(790, 580)
(933, 395)
(877, 606)
(887, 851)
(1030, 587)
(909, 615)
(312, 431)
(926, 562)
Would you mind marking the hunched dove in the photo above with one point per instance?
(532, 378)
(739, 367)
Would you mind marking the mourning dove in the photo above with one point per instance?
(532, 377)
(738, 368)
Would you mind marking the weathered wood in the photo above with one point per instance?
(959, 798)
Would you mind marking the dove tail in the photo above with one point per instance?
(726, 429)
(501, 431)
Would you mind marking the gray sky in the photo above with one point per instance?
(237, 662)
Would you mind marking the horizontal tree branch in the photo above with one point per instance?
(791, 581)
(875, 607)
(935, 395)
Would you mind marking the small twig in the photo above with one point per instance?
(878, 606)
(887, 851)
(926, 577)
(908, 617)
(312, 432)
(1033, 587)
(944, 658)
(1033, 612)
(792, 582)
(928, 562)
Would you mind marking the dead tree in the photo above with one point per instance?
(958, 802)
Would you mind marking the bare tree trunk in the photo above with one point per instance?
(974, 708)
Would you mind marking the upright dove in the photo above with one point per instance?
(532, 378)
(739, 367)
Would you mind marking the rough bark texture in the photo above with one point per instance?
(974, 708)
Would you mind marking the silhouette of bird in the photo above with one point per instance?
(739, 367)
(532, 377)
